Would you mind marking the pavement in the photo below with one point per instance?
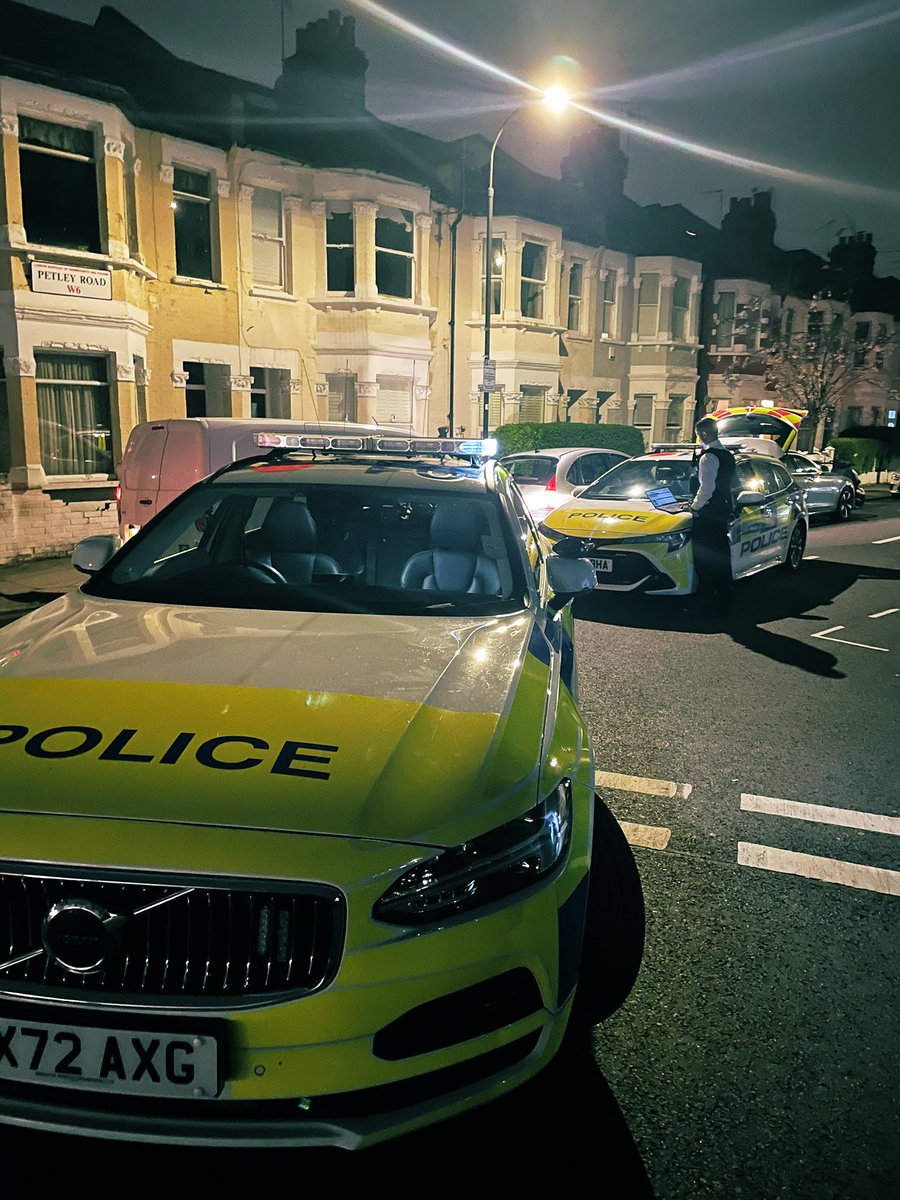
(29, 584)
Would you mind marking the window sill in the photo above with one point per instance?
(522, 324)
(265, 294)
(208, 285)
(573, 335)
(66, 483)
(343, 303)
(85, 258)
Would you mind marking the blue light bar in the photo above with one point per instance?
(368, 444)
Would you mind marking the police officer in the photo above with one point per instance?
(713, 510)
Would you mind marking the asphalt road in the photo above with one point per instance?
(757, 1055)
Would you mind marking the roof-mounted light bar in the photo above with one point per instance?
(453, 447)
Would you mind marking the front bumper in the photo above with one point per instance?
(414, 1026)
(649, 568)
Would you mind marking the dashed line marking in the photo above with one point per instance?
(639, 783)
(652, 837)
(826, 870)
(843, 641)
(884, 541)
(887, 612)
(823, 813)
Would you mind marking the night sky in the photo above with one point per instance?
(811, 85)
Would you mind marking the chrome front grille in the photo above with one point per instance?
(178, 939)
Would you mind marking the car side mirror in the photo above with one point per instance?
(568, 577)
(581, 488)
(748, 499)
(94, 552)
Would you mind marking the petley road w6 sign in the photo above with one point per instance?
(71, 281)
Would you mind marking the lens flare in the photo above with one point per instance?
(449, 50)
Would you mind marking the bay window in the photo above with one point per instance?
(534, 280)
(74, 416)
(394, 252)
(340, 271)
(58, 170)
(576, 297)
(681, 302)
(497, 259)
(648, 305)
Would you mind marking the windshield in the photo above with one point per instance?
(323, 548)
(757, 425)
(632, 480)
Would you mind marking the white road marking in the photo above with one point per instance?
(834, 629)
(884, 541)
(828, 870)
(653, 837)
(638, 783)
(887, 612)
(849, 817)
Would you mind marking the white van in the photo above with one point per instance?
(163, 458)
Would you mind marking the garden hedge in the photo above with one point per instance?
(864, 454)
(533, 435)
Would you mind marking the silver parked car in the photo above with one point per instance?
(832, 491)
(547, 478)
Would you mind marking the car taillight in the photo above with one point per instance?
(551, 486)
(119, 501)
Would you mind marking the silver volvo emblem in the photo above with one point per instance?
(79, 935)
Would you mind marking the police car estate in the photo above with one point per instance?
(633, 524)
(300, 839)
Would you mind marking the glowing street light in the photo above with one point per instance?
(556, 99)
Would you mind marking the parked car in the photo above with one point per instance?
(300, 848)
(832, 491)
(547, 478)
(635, 526)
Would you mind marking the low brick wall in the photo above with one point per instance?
(34, 525)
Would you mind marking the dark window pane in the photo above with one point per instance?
(393, 275)
(394, 235)
(33, 132)
(534, 261)
(193, 244)
(339, 229)
(59, 201)
(340, 269)
(193, 183)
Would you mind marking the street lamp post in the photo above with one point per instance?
(556, 99)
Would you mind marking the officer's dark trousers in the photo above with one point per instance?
(712, 559)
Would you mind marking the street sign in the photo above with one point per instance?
(489, 377)
(60, 280)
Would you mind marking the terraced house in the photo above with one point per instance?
(175, 241)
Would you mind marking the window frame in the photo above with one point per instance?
(280, 240)
(338, 208)
(407, 256)
(93, 386)
(684, 310)
(575, 299)
(498, 277)
(93, 160)
(538, 284)
(608, 304)
(198, 201)
(646, 306)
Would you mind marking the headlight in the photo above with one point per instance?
(673, 541)
(484, 870)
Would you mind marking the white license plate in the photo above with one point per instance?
(603, 566)
(131, 1062)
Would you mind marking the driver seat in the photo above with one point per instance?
(454, 562)
(287, 542)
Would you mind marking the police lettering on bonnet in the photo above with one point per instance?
(70, 741)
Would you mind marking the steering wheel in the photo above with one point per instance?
(251, 566)
(271, 573)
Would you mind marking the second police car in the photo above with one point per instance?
(300, 838)
(634, 526)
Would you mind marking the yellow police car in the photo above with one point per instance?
(300, 839)
(633, 524)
